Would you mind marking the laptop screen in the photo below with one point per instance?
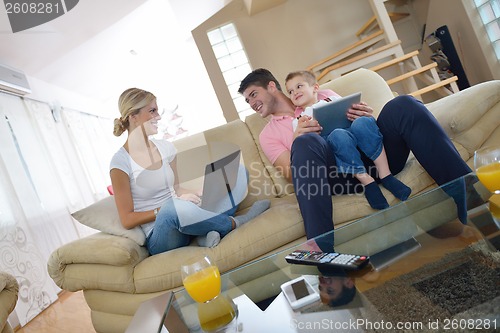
(220, 180)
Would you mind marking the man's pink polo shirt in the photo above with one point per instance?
(277, 135)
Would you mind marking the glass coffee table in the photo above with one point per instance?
(427, 272)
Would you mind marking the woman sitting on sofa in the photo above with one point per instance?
(144, 179)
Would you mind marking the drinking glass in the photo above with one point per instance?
(218, 315)
(487, 165)
(201, 279)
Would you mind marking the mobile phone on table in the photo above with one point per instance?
(299, 292)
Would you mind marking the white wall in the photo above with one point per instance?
(57, 96)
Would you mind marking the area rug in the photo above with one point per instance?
(459, 293)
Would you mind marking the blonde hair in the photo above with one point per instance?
(308, 76)
(129, 103)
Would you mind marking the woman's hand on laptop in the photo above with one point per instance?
(191, 197)
(307, 124)
(359, 110)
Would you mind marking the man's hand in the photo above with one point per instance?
(305, 125)
(359, 110)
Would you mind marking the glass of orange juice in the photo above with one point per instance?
(487, 165)
(494, 205)
(201, 279)
(218, 315)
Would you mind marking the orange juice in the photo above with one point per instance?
(489, 175)
(203, 285)
(216, 314)
(495, 205)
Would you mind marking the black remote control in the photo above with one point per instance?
(328, 259)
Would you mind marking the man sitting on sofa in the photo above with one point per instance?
(304, 157)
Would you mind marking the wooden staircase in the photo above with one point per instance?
(372, 23)
(350, 64)
(379, 48)
(361, 46)
(420, 72)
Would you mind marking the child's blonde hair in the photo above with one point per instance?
(307, 75)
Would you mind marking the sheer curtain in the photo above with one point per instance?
(90, 138)
(48, 169)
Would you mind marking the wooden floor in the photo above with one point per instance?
(68, 314)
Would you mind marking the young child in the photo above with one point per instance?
(364, 134)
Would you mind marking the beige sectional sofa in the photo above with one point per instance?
(9, 289)
(117, 274)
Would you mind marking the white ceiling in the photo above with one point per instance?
(89, 55)
(99, 48)
(34, 48)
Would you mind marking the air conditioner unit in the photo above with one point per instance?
(13, 81)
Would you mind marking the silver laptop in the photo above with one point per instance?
(220, 180)
(157, 315)
(333, 114)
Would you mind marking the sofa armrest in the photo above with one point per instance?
(98, 250)
(470, 116)
(9, 289)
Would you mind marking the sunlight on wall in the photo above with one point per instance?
(165, 64)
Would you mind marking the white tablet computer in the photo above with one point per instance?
(332, 115)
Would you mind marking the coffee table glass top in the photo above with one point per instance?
(427, 271)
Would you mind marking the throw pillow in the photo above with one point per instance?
(103, 216)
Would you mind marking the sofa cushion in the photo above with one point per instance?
(281, 186)
(374, 90)
(103, 216)
(471, 116)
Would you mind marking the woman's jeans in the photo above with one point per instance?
(363, 134)
(179, 220)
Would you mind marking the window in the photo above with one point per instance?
(233, 63)
(489, 10)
